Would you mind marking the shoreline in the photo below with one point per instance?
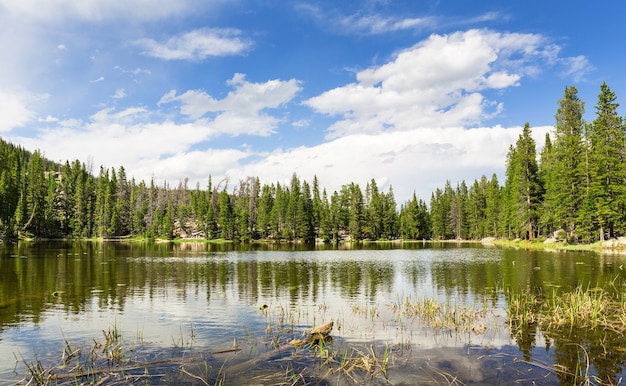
(607, 246)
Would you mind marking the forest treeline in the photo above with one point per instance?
(576, 186)
(44, 199)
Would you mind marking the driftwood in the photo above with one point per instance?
(315, 335)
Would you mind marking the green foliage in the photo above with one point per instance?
(415, 220)
(606, 171)
(523, 189)
(567, 182)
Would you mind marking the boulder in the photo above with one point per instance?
(488, 241)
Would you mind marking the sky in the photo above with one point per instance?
(408, 93)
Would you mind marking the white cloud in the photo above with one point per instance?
(195, 165)
(114, 138)
(300, 123)
(377, 24)
(119, 94)
(197, 45)
(576, 67)
(97, 10)
(146, 145)
(419, 160)
(14, 111)
(436, 83)
(48, 119)
(136, 71)
(242, 110)
(370, 21)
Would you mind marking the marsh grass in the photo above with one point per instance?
(559, 315)
(445, 316)
(581, 308)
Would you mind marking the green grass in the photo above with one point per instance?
(591, 308)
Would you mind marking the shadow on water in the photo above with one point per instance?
(412, 313)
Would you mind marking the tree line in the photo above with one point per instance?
(577, 186)
(574, 189)
(44, 199)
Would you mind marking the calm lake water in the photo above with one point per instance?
(162, 313)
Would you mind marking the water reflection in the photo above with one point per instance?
(48, 288)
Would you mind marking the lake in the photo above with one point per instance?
(413, 313)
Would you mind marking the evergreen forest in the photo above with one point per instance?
(576, 187)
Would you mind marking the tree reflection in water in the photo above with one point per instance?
(72, 290)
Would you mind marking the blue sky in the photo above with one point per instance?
(410, 93)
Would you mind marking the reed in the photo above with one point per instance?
(582, 308)
(444, 316)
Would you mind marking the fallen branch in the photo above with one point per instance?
(317, 334)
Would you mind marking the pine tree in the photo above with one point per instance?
(605, 203)
(139, 208)
(211, 211)
(326, 227)
(476, 207)
(34, 192)
(338, 216)
(317, 205)
(547, 218)
(567, 187)
(51, 226)
(414, 220)
(440, 210)
(356, 211)
(390, 224)
(458, 211)
(266, 202)
(493, 207)
(523, 187)
(375, 211)
(9, 189)
(167, 224)
(306, 230)
(122, 203)
(226, 216)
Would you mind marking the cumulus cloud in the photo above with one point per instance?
(128, 138)
(242, 110)
(14, 111)
(148, 145)
(410, 160)
(197, 44)
(439, 82)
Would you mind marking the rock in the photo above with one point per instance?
(609, 243)
(488, 241)
(559, 234)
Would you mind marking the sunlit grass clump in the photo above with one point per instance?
(445, 316)
(591, 308)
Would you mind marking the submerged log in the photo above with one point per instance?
(317, 334)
